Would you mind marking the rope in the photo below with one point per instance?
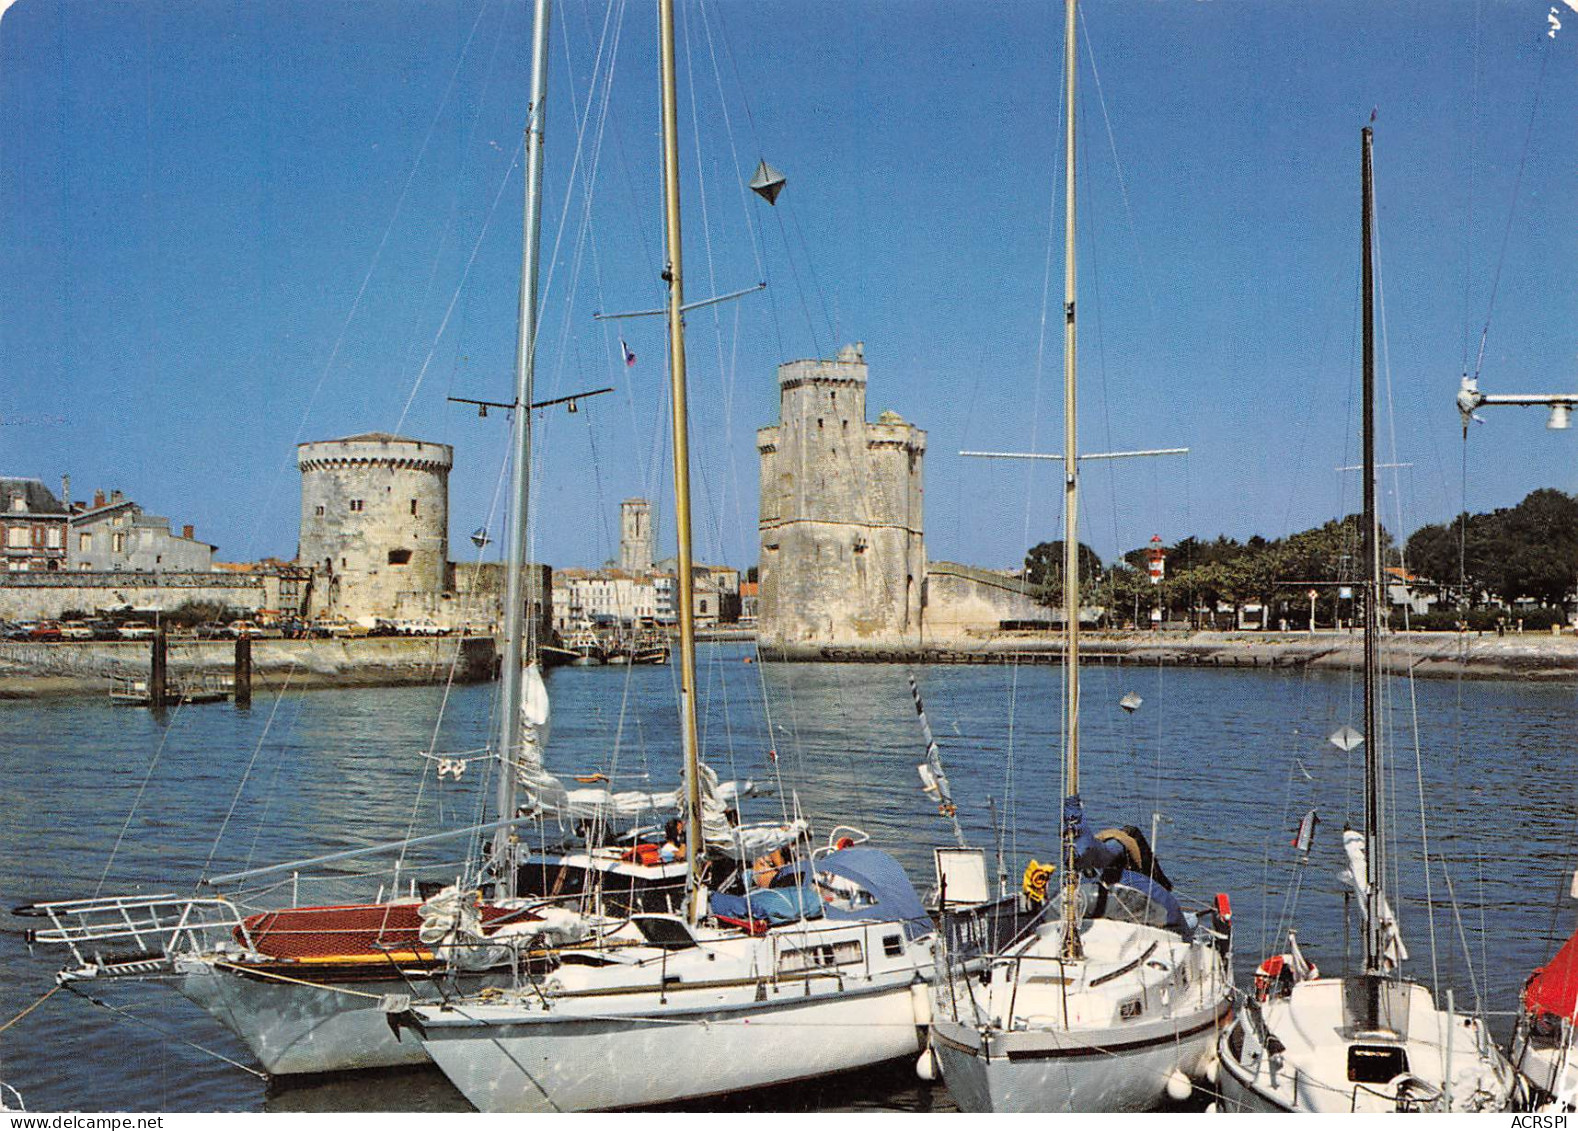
(162, 1031)
(48, 994)
(1506, 235)
(361, 290)
(297, 981)
(246, 776)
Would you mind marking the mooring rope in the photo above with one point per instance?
(161, 1031)
(48, 994)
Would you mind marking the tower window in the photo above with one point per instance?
(357, 505)
(413, 506)
(399, 557)
(318, 510)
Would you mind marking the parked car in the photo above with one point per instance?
(45, 630)
(137, 630)
(76, 630)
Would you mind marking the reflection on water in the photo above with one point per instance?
(1221, 764)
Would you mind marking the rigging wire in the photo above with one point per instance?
(1506, 235)
(372, 267)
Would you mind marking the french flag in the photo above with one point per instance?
(630, 358)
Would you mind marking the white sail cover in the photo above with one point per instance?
(742, 842)
(452, 929)
(1393, 952)
(543, 792)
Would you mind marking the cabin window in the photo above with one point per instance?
(670, 934)
(820, 956)
(892, 945)
(1375, 1064)
(399, 557)
(1131, 1009)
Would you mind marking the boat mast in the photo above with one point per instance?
(673, 275)
(518, 627)
(1071, 941)
(1374, 839)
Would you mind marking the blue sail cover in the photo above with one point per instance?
(1090, 854)
(1146, 900)
(776, 905)
(885, 890)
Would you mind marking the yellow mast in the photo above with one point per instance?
(673, 274)
(1071, 942)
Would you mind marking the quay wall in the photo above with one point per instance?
(1427, 654)
(72, 667)
(45, 596)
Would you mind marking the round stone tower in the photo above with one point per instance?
(374, 521)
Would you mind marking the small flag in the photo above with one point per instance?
(1304, 839)
(630, 358)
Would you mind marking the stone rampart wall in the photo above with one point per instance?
(961, 600)
(45, 596)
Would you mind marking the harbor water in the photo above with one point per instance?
(1219, 765)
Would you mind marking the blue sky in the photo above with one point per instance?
(229, 227)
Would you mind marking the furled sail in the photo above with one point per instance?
(544, 793)
(742, 842)
(1393, 952)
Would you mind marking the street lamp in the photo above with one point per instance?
(1561, 405)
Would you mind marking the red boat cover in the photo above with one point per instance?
(356, 930)
(1554, 987)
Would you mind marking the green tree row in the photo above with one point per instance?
(1530, 550)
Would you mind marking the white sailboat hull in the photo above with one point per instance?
(551, 1064)
(1091, 1070)
(1551, 1067)
(646, 1026)
(1443, 1061)
(294, 1029)
(1143, 1008)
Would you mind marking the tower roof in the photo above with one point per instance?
(369, 437)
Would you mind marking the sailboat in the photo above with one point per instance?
(300, 986)
(1545, 1041)
(1113, 999)
(1375, 1041)
(785, 963)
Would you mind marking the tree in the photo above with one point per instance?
(1044, 568)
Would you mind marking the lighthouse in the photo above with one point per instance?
(1157, 558)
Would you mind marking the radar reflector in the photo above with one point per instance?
(768, 182)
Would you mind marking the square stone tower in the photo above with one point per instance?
(635, 536)
(843, 554)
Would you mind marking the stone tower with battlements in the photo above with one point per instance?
(635, 536)
(843, 555)
(374, 522)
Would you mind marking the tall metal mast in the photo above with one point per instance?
(673, 274)
(1071, 941)
(518, 627)
(1374, 838)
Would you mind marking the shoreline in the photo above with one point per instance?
(36, 671)
(66, 668)
(1525, 656)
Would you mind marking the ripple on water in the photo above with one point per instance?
(1210, 753)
